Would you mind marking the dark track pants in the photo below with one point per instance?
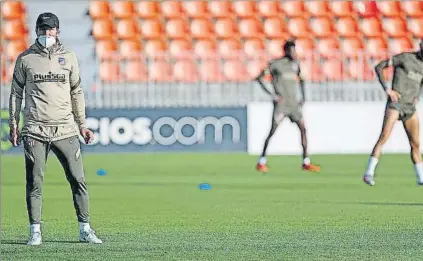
(69, 154)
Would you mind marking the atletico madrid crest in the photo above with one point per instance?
(61, 61)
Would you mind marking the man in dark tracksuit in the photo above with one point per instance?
(49, 76)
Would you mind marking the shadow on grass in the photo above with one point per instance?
(19, 242)
(391, 204)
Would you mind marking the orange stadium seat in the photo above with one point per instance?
(177, 28)
(396, 27)
(399, 45)
(110, 72)
(106, 49)
(229, 48)
(377, 47)
(255, 67)
(323, 27)
(275, 48)
(7, 73)
(195, 9)
(201, 28)
(244, 8)
(13, 10)
(250, 28)
(180, 47)
(123, 9)
(299, 28)
(103, 29)
(333, 70)
(294, 8)
(148, 9)
(359, 70)
(220, 8)
(205, 48)
(14, 49)
(127, 29)
(318, 8)
(342, 8)
(413, 8)
(155, 47)
(99, 9)
(130, 49)
(311, 71)
(371, 27)
(347, 27)
(160, 70)
(304, 48)
(185, 70)
(226, 28)
(211, 70)
(235, 71)
(151, 29)
(254, 47)
(14, 30)
(352, 47)
(136, 71)
(367, 8)
(328, 47)
(269, 8)
(415, 27)
(275, 28)
(172, 9)
(389, 8)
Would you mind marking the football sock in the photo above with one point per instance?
(34, 228)
(84, 226)
(419, 171)
(262, 161)
(306, 161)
(371, 166)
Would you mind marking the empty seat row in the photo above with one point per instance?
(271, 28)
(214, 70)
(252, 8)
(353, 47)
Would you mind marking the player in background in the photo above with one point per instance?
(401, 105)
(285, 72)
(49, 76)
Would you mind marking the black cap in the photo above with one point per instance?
(47, 20)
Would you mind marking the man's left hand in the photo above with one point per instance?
(87, 134)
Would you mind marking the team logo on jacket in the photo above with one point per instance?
(62, 61)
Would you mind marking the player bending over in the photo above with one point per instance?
(401, 105)
(285, 71)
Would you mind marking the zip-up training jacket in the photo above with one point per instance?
(54, 99)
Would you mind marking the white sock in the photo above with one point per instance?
(371, 166)
(418, 167)
(306, 161)
(84, 226)
(262, 161)
(35, 228)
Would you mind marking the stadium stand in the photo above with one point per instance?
(14, 37)
(234, 33)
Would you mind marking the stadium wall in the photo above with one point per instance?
(333, 128)
(159, 130)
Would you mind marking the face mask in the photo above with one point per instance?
(47, 41)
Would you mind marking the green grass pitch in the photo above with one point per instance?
(148, 207)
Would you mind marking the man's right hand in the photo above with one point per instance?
(394, 95)
(14, 137)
